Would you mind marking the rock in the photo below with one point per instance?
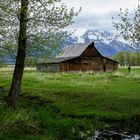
(112, 135)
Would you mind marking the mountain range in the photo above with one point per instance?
(106, 42)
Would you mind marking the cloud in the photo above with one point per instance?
(93, 21)
(97, 14)
(100, 6)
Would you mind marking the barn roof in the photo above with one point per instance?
(73, 51)
(58, 60)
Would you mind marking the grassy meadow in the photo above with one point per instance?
(70, 105)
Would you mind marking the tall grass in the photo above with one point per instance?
(70, 105)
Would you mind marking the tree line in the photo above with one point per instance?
(128, 58)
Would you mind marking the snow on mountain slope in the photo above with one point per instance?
(106, 42)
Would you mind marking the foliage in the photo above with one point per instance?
(31, 61)
(28, 23)
(129, 25)
(46, 19)
(126, 58)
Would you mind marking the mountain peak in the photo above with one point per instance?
(107, 42)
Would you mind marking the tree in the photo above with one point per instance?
(36, 51)
(121, 58)
(31, 61)
(129, 25)
(28, 23)
(128, 58)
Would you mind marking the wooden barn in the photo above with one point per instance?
(79, 57)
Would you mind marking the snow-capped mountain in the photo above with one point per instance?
(106, 42)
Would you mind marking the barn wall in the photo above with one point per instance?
(82, 64)
(110, 65)
(48, 67)
(71, 65)
(91, 63)
(115, 66)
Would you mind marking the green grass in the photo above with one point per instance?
(66, 101)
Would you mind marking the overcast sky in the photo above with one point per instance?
(97, 14)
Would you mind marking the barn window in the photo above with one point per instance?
(85, 61)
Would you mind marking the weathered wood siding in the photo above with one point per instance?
(91, 63)
(88, 64)
(71, 65)
(91, 52)
(109, 65)
(82, 64)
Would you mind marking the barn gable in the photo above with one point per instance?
(91, 51)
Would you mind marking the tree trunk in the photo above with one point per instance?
(20, 59)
